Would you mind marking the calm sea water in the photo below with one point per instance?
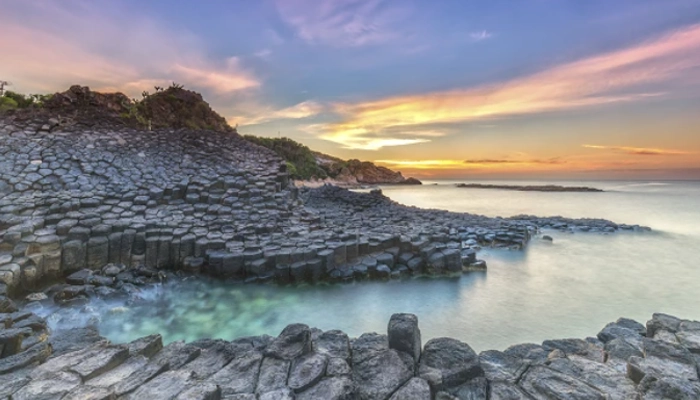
(569, 288)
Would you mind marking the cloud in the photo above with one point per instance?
(552, 161)
(479, 36)
(469, 164)
(56, 44)
(342, 23)
(615, 77)
(301, 110)
(640, 151)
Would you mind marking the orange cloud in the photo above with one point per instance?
(468, 164)
(301, 110)
(614, 77)
(640, 151)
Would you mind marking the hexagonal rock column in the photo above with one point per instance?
(404, 335)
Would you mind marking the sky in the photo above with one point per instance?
(567, 89)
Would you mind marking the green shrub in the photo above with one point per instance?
(7, 103)
(301, 162)
(23, 101)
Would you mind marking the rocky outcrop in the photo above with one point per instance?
(172, 108)
(366, 172)
(310, 167)
(656, 361)
(126, 203)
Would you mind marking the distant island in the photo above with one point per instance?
(533, 188)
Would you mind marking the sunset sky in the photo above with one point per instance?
(435, 89)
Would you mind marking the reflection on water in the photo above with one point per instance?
(568, 288)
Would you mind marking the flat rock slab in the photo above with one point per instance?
(273, 374)
(239, 376)
(176, 354)
(48, 387)
(307, 371)
(414, 389)
(89, 393)
(542, 382)
(201, 391)
(165, 386)
(330, 389)
(100, 362)
(381, 375)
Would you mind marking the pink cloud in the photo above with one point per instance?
(48, 46)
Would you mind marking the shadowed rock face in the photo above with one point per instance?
(322, 365)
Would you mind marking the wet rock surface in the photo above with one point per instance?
(299, 364)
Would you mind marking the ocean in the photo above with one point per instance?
(569, 288)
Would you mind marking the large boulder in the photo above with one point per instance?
(378, 377)
(623, 327)
(306, 371)
(293, 342)
(447, 363)
(404, 335)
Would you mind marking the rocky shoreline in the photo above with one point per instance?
(103, 208)
(626, 360)
(78, 197)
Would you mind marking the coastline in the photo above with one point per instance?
(625, 360)
(105, 225)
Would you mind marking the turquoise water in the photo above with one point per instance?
(569, 288)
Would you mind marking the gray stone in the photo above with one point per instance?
(507, 391)
(334, 343)
(273, 374)
(661, 321)
(668, 388)
(414, 389)
(201, 391)
(456, 362)
(306, 371)
(404, 335)
(34, 355)
(176, 355)
(294, 341)
(138, 378)
(368, 345)
(48, 387)
(338, 367)
(146, 346)
(623, 327)
(89, 393)
(381, 375)
(279, 394)
(165, 386)
(499, 366)
(543, 383)
(577, 347)
(240, 375)
(337, 388)
(101, 362)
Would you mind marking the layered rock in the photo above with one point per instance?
(303, 363)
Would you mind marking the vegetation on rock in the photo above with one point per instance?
(301, 161)
(173, 107)
(305, 164)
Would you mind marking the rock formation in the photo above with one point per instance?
(626, 360)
